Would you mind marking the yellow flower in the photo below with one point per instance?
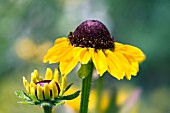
(45, 89)
(91, 41)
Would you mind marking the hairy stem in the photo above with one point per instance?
(47, 109)
(86, 85)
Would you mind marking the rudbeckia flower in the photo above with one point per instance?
(47, 92)
(91, 41)
(45, 89)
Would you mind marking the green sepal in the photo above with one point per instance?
(60, 103)
(68, 87)
(26, 102)
(46, 104)
(27, 99)
(70, 97)
(34, 98)
(84, 69)
(22, 95)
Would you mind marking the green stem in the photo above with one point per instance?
(86, 85)
(47, 109)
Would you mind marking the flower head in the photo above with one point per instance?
(91, 41)
(47, 91)
(93, 34)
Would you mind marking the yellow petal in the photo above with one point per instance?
(50, 53)
(55, 51)
(128, 75)
(63, 56)
(69, 55)
(133, 55)
(34, 78)
(61, 40)
(134, 65)
(117, 62)
(25, 82)
(99, 60)
(124, 61)
(54, 89)
(112, 69)
(133, 69)
(131, 50)
(56, 75)
(26, 85)
(28, 88)
(40, 92)
(59, 43)
(66, 67)
(47, 91)
(63, 84)
(32, 88)
(48, 75)
(129, 69)
(36, 74)
(118, 46)
(126, 65)
(85, 56)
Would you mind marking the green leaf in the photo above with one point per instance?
(70, 97)
(68, 87)
(84, 69)
(22, 95)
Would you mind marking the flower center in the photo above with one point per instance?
(92, 33)
(41, 83)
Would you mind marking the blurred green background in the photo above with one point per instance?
(29, 27)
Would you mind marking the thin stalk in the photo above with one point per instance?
(47, 109)
(86, 85)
